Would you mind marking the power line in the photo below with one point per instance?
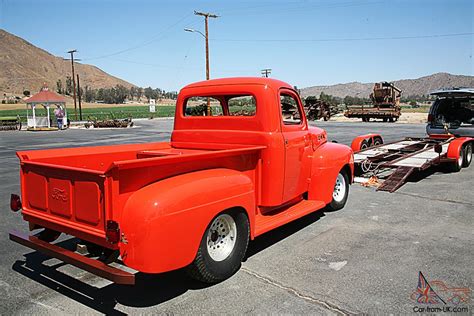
(155, 38)
(345, 39)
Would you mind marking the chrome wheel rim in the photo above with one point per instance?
(339, 188)
(460, 159)
(221, 237)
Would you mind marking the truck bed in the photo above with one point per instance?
(75, 190)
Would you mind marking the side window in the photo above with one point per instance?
(242, 106)
(289, 110)
(197, 106)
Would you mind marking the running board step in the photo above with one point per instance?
(265, 223)
(396, 179)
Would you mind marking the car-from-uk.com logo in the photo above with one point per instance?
(437, 297)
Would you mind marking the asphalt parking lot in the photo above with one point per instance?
(364, 258)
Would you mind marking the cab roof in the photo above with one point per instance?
(273, 83)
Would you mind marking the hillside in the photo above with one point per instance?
(420, 86)
(26, 67)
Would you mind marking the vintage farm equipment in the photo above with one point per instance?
(316, 109)
(385, 104)
(110, 123)
(10, 123)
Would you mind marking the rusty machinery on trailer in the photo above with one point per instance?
(10, 123)
(385, 98)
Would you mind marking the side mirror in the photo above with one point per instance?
(438, 148)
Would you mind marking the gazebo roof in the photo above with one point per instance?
(46, 96)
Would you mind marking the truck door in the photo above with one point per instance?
(298, 147)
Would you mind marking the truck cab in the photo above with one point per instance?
(237, 166)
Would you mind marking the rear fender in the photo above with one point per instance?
(163, 223)
(328, 160)
(455, 146)
(370, 138)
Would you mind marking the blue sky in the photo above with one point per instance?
(304, 42)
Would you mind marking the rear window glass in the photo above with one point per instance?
(234, 105)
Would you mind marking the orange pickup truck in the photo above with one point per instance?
(236, 167)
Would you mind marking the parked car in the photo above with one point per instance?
(453, 112)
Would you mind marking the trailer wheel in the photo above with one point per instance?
(340, 193)
(457, 165)
(378, 141)
(222, 248)
(364, 145)
(467, 155)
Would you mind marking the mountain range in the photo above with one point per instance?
(24, 66)
(410, 87)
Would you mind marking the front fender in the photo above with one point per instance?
(328, 160)
(163, 223)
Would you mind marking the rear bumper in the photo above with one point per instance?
(91, 265)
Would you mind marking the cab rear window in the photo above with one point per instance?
(223, 105)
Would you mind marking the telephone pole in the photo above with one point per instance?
(79, 97)
(206, 22)
(266, 72)
(73, 81)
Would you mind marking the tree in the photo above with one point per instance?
(26, 93)
(149, 93)
(120, 94)
(89, 94)
(59, 86)
(133, 92)
(139, 93)
(68, 85)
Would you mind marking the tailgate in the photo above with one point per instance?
(68, 197)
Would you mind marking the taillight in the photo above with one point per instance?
(15, 203)
(112, 232)
(430, 118)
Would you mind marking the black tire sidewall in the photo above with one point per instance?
(334, 205)
(223, 269)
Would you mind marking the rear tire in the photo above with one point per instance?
(222, 248)
(467, 155)
(340, 193)
(378, 141)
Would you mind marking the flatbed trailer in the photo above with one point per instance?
(409, 155)
(366, 113)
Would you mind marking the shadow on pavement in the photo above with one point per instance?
(150, 289)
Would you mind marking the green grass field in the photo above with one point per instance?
(118, 112)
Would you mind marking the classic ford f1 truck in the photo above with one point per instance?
(236, 167)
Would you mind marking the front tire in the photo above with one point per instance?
(222, 248)
(340, 193)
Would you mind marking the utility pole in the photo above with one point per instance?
(266, 72)
(73, 81)
(206, 21)
(79, 97)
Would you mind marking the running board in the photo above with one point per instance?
(265, 223)
(396, 179)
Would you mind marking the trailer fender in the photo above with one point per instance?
(328, 160)
(370, 140)
(163, 223)
(455, 146)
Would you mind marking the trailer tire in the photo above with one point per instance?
(377, 141)
(220, 256)
(467, 155)
(364, 145)
(340, 193)
(458, 164)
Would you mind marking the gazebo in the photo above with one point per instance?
(46, 99)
